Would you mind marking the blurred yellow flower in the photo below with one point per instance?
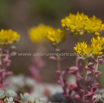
(56, 36)
(8, 36)
(38, 34)
(80, 24)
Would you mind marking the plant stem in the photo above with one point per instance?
(86, 66)
(96, 67)
(1, 81)
(58, 62)
(60, 76)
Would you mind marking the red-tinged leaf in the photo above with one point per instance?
(90, 94)
(96, 84)
(58, 71)
(74, 68)
(3, 70)
(79, 76)
(9, 73)
(97, 73)
(53, 58)
(77, 96)
(5, 83)
(89, 72)
(83, 91)
(73, 86)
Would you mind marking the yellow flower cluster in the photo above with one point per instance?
(98, 40)
(95, 49)
(8, 36)
(83, 50)
(39, 33)
(56, 36)
(80, 24)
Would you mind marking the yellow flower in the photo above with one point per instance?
(80, 24)
(83, 50)
(75, 23)
(56, 36)
(93, 25)
(38, 34)
(98, 41)
(8, 36)
(102, 27)
(96, 49)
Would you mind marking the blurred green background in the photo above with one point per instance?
(21, 15)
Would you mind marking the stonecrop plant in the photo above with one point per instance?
(89, 56)
(7, 38)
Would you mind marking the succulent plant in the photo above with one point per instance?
(10, 93)
(26, 98)
(9, 100)
(9, 96)
(2, 94)
(39, 100)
